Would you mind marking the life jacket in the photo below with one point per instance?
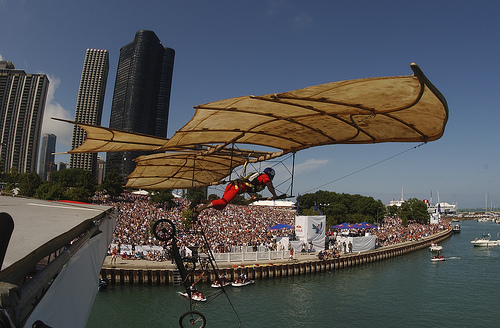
(251, 181)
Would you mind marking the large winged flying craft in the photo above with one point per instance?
(208, 148)
(214, 142)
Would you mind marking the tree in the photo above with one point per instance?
(338, 212)
(50, 191)
(392, 210)
(111, 184)
(239, 200)
(414, 209)
(212, 197)
(77, 185)
(11, 178)
(309, 212)
(29, 183)
(340, 208)
(196, 193)
(163, 196)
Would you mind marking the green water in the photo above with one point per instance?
(407, 291)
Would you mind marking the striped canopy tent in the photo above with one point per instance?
(344, 226)
(280, 226)
(364, 225)
(371, 110)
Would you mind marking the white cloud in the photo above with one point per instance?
(310, 164)
(62, 130)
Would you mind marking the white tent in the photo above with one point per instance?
(281, 203)
(140, 192)
(310, 229)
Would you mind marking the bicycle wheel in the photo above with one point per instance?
(189, 264)
(164, 230)
(192, 319)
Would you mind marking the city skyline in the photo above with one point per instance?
(278, 46)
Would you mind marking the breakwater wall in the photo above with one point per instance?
(269, 271)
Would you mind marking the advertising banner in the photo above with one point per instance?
(311, 229)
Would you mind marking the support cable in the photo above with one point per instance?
(366, 167)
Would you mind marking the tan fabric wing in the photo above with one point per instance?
(373, 110)
(102, 139)
(181, 170)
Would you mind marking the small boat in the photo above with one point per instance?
(438, 258)
(217, 284)
(103, 283)
(241, 283)
(456, 228)
(485, 241)
(196, 296)
(435, 247)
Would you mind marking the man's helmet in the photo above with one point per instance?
(270, 172)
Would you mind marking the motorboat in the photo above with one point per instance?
(438, 258)
(218, 284)
(195, 296)
(484, 241)
(435, 247)
(241, 283)
(103, 283)
(456, 228)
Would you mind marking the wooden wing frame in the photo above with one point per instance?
(184, 170)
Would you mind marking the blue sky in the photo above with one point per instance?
(232, 48)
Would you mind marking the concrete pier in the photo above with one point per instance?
(139, 272)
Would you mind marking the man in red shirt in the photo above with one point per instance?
(251, 184)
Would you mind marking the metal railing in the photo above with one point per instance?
(247, 254)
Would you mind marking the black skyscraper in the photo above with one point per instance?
(142, 94)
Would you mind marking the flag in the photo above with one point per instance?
(316, 206)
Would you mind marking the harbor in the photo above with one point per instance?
(401, 291)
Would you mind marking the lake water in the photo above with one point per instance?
(406, 291)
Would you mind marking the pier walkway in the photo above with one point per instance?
(142, 272)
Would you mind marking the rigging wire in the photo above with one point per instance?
(216, 269)
(366, 167)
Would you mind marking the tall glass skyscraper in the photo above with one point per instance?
(141, 96)
(89, 105)
(47, 164)
(22, 103)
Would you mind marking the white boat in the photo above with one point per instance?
(456, 228)
(217, 284)
(485, 241)
(196, 296)
(239, 283)
(438, 258)
(435, 247)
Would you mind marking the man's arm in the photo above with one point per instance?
(270, 187)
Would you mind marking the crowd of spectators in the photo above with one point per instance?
(391, 231)
(230, 228)
(234, 226)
